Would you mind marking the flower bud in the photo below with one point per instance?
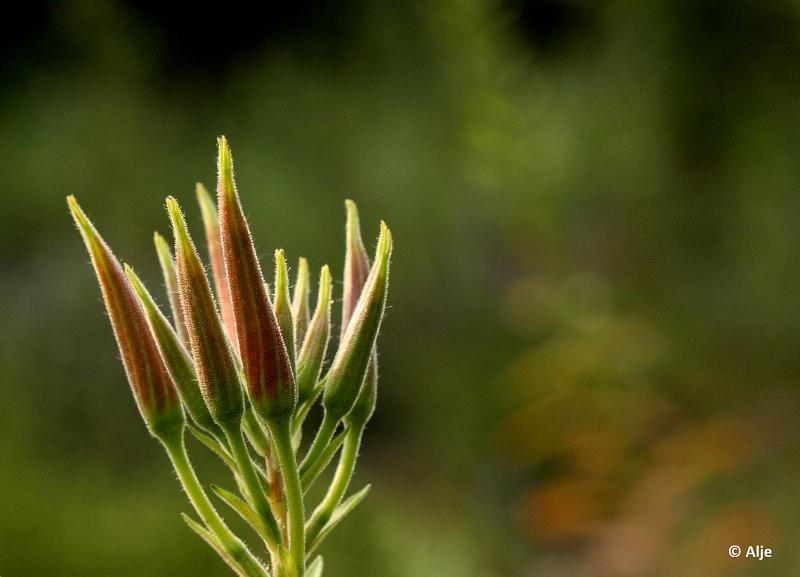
(346, 376)
(167, 263)
(356, 265)
(315, 344)
(175, 357)
(211, 351)
(282, 306)
(150, 382)
(300, 303)
(265, 360)
(356, 271)
(211, 223)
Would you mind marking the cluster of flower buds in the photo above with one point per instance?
(241, 365)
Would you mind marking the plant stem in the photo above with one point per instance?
(312, 472)
(253, 485)
(321, 441)
(232, 545)
(338, 487)
(295, 516)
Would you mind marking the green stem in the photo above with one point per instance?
(230, 543)
(253, 485)
(321, 441)
(295, 516)
(310, 475)
(339, 484)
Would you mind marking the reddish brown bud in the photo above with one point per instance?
(152, 386)
(270, 382)
(356, 265)
(211, 224)
(213, 357)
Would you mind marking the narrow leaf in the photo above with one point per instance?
(315, 568)
(244, 510)
(212, 542)
(214, 446)
(338, 515)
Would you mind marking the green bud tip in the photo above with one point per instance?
(300, 312)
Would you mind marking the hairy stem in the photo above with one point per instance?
(295, 516)
(253, 485)
(338, 487)
(232, 545)
(320, 443)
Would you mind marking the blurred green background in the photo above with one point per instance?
(590, 365)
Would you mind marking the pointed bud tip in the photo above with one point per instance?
(178, 221)
(225, 182)
(324, 286)
(385, 241)
(208, 208)
(75, 209)
(353, 227)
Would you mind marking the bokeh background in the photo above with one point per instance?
(590, 365)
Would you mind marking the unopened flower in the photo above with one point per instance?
(356, 272)
(167, 262)
(150, 382)
(211, 351)
(211, 224)
(176, 357)
(265, 359)
(346, 376)
(315, 344)
(283, 306)
(300, 306)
